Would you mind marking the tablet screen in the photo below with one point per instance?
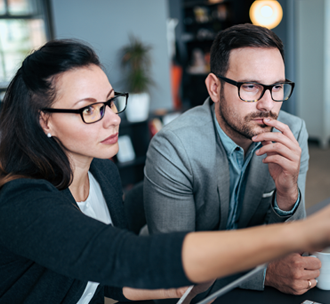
(185, 298)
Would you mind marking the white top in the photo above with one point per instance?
(94, 206)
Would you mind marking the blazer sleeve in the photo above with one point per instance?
(168, 186)
(300, 212)
(257, 281)
(42, 225)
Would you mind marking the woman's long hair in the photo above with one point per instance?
(25, 149)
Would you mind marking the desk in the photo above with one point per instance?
(272, 296)
(268, 296)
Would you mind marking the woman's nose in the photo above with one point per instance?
(110, 117)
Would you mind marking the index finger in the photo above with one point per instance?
(280, 126)
(312, 263)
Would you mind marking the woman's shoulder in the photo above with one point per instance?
(23, 184)
(26, 189)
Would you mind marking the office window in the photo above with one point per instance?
(24, 26)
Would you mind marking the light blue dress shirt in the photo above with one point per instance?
(238, 163)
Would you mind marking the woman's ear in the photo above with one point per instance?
(44, 123)
(213, 86)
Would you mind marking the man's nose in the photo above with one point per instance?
(266, 103)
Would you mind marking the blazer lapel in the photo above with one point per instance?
(112, 195)
(222, 172)
(255, 186)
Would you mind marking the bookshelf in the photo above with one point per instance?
(202, 20)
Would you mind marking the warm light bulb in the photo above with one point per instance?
(266, 13)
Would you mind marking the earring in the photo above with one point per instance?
(49, 135)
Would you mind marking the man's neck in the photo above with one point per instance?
(237, 138)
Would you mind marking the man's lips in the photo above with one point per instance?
(111, 139)
(259, 120)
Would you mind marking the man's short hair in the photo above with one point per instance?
(240, 36)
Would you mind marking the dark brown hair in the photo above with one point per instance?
(240, 36)
(25, 150)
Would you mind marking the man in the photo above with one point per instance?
(236, 161)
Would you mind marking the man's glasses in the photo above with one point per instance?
(95, 111)
(253, 91)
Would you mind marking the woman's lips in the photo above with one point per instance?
(110, 140)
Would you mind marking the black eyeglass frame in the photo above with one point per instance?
(81, 110)
(265, 87)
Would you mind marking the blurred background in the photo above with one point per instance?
(173, 39)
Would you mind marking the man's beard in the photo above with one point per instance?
(235, 124)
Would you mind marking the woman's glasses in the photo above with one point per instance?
(95, 111)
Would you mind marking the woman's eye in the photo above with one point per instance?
(89, 110)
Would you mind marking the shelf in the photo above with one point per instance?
(190, 4)
(191, 21)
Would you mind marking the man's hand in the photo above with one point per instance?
(293, 273)
(283, 159)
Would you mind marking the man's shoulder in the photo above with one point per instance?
(289, 119)
(191, 121)
(297, 126)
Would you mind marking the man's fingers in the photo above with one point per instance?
(312, 263)
(309, 274)
(279, 149)
(312, 283)
(277, 137)
(301, 287)
(266, 142)
(283, 128)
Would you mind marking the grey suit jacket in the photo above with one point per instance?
(186, 184)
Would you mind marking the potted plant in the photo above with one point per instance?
(136, 64)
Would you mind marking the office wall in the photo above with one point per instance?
(106, 24)
(313, 68)
(286, 32)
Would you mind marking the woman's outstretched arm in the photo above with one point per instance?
(210, 255)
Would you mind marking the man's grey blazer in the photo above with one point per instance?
(186, 184)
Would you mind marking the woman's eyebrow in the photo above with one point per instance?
(90, 99)
(109, 93)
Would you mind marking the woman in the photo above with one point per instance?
(59, 194)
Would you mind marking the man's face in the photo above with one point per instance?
(243, 120)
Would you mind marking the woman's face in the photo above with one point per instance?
(76, 89)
